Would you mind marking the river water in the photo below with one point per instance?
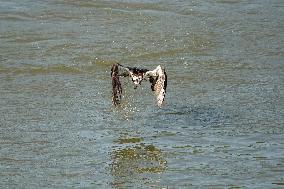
(222, 125)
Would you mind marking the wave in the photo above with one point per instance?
(35, 70)
(88, 66)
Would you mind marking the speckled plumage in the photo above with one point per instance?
(116, 85)
(157, 78)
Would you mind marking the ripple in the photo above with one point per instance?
(36, 70)
(129, 140)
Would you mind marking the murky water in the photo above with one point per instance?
(223, 122)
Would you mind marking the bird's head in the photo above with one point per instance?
(136, 79)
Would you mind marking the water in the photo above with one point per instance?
(221, 125)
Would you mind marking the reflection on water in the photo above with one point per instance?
(131, 165)
(222, 123)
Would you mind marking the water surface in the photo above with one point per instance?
(222, 122)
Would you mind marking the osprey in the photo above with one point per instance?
(157, 78)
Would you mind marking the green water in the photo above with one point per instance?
(222, 125)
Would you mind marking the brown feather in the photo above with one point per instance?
(116, 85)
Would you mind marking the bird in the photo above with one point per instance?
(157, 78)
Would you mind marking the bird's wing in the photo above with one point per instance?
(158, 80)
(116, 85)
